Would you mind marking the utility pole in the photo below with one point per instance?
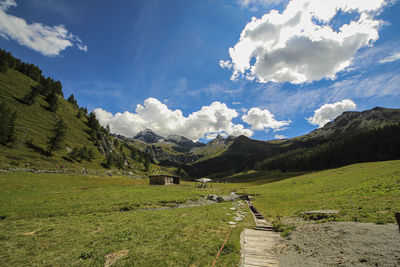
(22, 140)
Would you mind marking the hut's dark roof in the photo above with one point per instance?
(164, 175)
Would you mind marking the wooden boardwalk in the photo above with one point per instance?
(259, 245)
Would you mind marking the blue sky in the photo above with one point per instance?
(198, 68)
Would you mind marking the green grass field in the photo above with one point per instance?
(259, 177)
(76, 220)
(365, 192)
(55, 220)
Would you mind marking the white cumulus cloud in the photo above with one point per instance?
(301, 44)
(328, 112)
(49, 41)
(263, 120)
(5, 4)
(225, 64)
(280, 136)
(208, 121)
(393, 57)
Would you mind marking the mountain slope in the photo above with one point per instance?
(176, 150)
(35, 124)
(39, 121)
(148, 136)
(177, 142)
(352, 122)
(370, 145)
(240, 154)
(244, 153)
(222, 157)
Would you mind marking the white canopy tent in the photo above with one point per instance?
(203, 182)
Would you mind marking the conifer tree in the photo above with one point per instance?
(71, 99)
(79, 114)
(7, 124)
(147, 164)
(109, 160)
(93, 122)
(52, 99)
(3, 64)
(29, 98)
(90, 154)
(58, 137)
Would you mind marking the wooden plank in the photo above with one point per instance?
(264, 262)
(258, 247)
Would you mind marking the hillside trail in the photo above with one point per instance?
(259, 245)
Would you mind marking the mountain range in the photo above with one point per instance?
(224, 156)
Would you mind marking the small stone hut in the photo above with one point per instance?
(164, 179)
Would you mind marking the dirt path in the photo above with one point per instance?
(341, 244)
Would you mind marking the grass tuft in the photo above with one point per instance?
(284, 229)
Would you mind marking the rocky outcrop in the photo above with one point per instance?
(181, 143)
(148, 136)
(218, 140)
(232, 197)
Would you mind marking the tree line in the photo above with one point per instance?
(47, 87)
(373, 145)
(7, 123)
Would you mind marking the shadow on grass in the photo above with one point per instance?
(89, 132)
(46, 108)
(260, 177)
(36, 148)
(67, 159)
(20, 100)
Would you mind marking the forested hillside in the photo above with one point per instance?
(373, 145)
(353, 137)
(40, 129)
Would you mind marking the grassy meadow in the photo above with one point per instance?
(77, 220)
(58, 220)
(365, 192)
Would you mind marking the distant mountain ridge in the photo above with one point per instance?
(224, 156)
(347, 123)
(351, 122)
(243, 153)
(180, 143)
